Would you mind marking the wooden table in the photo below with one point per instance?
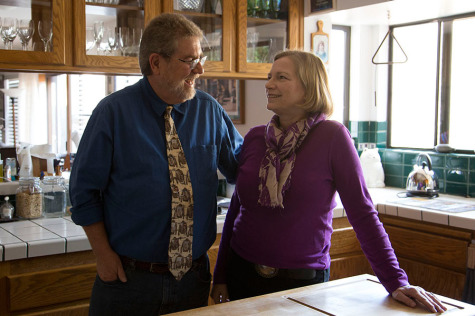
(360, 295)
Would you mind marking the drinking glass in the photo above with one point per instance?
(123, 40)
(276, 8)
(90, 41)
(252, 39)
(45, 31)
(98, 34)
(25, 32)
(9, 31)
(112, 40)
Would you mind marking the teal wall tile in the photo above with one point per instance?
(471, 192)
(438, 160)
(382, 126)
(363, 126)
(457, 161)
(393, 181)
(393, 170)
(456, 175)
(472, 177)
(393, 157)
(410, 159)
(472, 163)
(457, 189)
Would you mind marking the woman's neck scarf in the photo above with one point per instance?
(278, 162)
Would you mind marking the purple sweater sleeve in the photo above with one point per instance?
(219, 276)
(362, 215)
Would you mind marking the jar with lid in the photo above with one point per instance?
(54, 196)
(29, 198)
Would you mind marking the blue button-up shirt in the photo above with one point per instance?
(120, 173)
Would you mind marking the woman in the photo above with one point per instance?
(281, 211)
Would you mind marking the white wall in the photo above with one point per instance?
(255, 101)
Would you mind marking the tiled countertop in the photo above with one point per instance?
(49, 236)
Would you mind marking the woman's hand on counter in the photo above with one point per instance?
(219, 293)
(411, 295)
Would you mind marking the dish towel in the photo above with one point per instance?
(181, 235)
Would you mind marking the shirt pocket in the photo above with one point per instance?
(204, 162)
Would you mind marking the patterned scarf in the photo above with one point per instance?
(278, 162)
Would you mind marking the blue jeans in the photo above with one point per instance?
(147, 293)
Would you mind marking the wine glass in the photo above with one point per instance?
(276, 8)
(112, 40)
(123, 40)
(98, 34)
(45, 31)
(90, 41)
(9, 31)
(25, 32)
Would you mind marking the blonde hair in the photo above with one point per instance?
(314, 78)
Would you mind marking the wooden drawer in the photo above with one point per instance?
(37, 289)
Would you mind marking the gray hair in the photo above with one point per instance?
(161, 36)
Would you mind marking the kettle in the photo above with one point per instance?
(422, 181)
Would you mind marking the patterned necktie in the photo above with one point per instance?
(181, 235)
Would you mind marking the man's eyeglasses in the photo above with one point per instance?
(193, 63)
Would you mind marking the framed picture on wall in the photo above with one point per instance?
(229, 93)
(321, 6)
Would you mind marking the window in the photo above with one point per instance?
(431, 95)
(338, 72)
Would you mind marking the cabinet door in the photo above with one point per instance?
(217, 19)
(266, 27)
(18, 53)
(108, 33)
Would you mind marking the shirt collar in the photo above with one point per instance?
(158, 105)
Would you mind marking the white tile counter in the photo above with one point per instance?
(48, 236)
(41, 237)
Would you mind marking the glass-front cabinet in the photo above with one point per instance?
(108, 32)
(32, 33)
(242, 36)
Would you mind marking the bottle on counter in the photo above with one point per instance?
(54, 197)
(13, 170)
(6, 210)
(1, 169)
(29, 198)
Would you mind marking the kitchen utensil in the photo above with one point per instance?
(422, 181)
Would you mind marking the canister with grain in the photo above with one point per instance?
(29, 198)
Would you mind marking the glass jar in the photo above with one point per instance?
(29, 198)
(54, 196)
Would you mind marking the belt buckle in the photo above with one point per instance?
(266, 271)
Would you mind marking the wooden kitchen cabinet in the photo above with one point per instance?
(230, 24)
(49, 285)
(126, 19)
(58, 52)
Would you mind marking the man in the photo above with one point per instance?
(120, 180)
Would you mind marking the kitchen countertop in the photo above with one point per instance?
(359, 295)
(48, 236)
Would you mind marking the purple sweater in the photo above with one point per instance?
(298, 236)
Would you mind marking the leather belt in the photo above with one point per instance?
(297, 274)
(153, 267)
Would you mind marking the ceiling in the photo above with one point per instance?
(401, 11)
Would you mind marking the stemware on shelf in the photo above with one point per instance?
(275, 7)
(112, 40)
(90, 41)
(124, 40)
(45, 31)
(9, 31)
(25, 32)
(252, 39)
(98, 34)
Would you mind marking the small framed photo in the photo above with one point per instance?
(320, 46)
(229, 93)
(322, 6)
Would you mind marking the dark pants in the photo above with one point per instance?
(243, 281)
(147, 293)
